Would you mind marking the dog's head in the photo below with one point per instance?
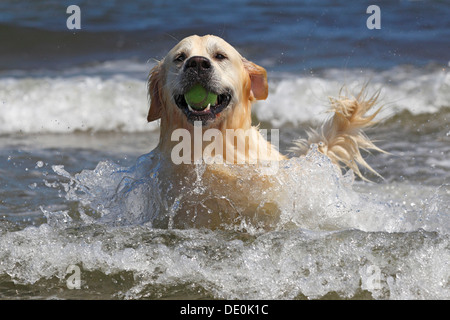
(217, 67)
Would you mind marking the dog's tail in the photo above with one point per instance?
(341, 137)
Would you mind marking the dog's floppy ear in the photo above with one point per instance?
(258, 78)
(155, 92)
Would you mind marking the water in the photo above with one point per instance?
(80, 188)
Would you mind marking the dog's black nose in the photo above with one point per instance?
(198, 63)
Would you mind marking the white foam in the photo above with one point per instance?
(299, 100)
(113, 97)
(309, 192)
(274, 265)
(83, 103)
(331, 239)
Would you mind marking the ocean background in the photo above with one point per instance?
(73, 106)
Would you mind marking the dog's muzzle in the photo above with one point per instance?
(199, 70)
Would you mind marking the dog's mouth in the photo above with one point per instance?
(207, 113)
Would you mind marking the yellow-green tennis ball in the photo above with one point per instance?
(198, 98)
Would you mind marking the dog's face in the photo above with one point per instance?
(217, 67)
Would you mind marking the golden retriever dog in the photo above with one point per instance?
(225, 197)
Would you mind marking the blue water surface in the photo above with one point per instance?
(292, 36)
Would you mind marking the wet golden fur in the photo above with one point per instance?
(231, 195)
(249, 83)
(340, 138)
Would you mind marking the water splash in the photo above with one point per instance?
(307, 192)
(331, 241)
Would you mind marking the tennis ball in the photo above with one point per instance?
(198, 98)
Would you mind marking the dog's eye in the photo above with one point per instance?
(180, 58)
(220, 56)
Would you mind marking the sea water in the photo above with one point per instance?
(79, 185)
(63, 203)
